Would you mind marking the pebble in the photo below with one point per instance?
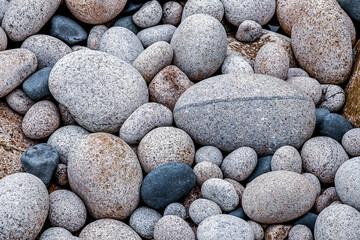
(67, 210)
(347, 183)
(36, 86)
(258, 230)
(213, 8)
(143, 120)
(334, 126)
(209, 154)
(300, 232)
(206, 170)
(224, 226)
(67, 30)
(95, 36)
(248, 31)
(172, 12)
(263, 166)
(199, 52)
(95, 163)
(258, 10)
(351, 8)
(60, 174)
(57, 233)
(26, 17)
(309, 86)
(239, 212)
(252, 105)
(331, 192)
(194, 194)
(168, 85)
(4, 5)
(143, 221)
(151, 35)
(127, 22)
(132, 6)
(297, 72)
(66, 116)
(277, 232)
(173, 227)
(166, 184)
(201, 209)
(235, 64)
(315, 181)
(96, 11)
(322, 202)
(350, 142)
(64, 138)
(3, 38)
(338, 221)
(272, 59)
(122, 43)
(238, 187)
(19, 101)
(24, 206)
(286, 158)
(101, 107)
(332, 98)
(164, 145)
(176, 209)
(308, 220)
(221, 192)
(78, 48)
(153, 59)
(321, 113)
(278, 197)
(108, 229)
(15, 66)
(148, 15)
(322, 156)
(239, 164)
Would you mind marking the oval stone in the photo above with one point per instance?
(258, 111)
(151, 35)
(278, 197)
(3, 38)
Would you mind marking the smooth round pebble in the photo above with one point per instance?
(209, 154)
(350, 142)
(176, 209)
(321, 113)
(315, 181)
(322, 202)
(332, 98)
(300, 232)
(235, 64)
(174, 228)
(309, 86)
(172, 12)
(205, 171)
(248, 31)
(213, 8)
(286, 158)
(331, 192)
(238, 187)
(148, 15)
(308, 220)
(67, 30)
(60, 174)
(128, 23)
(149, 36)
(201, 209)
(66, 116)
(56, 233)
(297, 72)
(258, 230)
(37, 85)
(263, 166)
(95, 36)
(143, 221)
(335, 126)
(3, 38)
(19, 101)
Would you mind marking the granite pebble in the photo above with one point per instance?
(151, 35)
(209, 154)
(332, 98)
(148, 15)
(95, 36)
(206, 170)
(286, 158)
(60, 174)
(3, 38)
(143, 221)
(277, 232)
(300, 232)
(57, 233)
(66, 117)
(310, 86)
(19, 101)
(315, 181)
(235, 64)
(258, 230)
(297, 72)
(176, 209)
(201, 209)
(351, 142)
(213, 8)
(172, 12)
(173, 227)
(248, 31)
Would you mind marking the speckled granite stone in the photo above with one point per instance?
(19, 101)
(332, 98)
(95, 36)
(173, 227)
(213, 8)
(143, 221)
(155, 34)
(286, 158)
(235, 64)
(148, 15)
(172, 12)
(57, 233)
(3, 38)
(201, 209)
(310, 86)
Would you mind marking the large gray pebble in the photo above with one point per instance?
(199, 52)
(213, 8)
(155, 34)
(332, 98)
(148, 15)
(122, 43)
(176, 209)
(300, 232)
(201, 209)
(209, 154)
(174, 228)
(224, 227)
(286, 158)
(309, 86)
(351, 142)
(77, 82)
(19, 101)
(95, 36)
(57, 233)
(24, 206)
(143, 221)
(236, 64)
(3, 38)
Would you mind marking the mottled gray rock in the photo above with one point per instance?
(238, 187)
(315, 181)
(213, 8)
(300, 232)
(57, 233)
(78, 48)
(24, 206)
(297, 72)
(41, 120)
(236, 64)
(95, 36)
(338, 221)
(234, 110)
(155, 34)
(273, 60)
(66, 116)
(331, 192)
(106, 229)
(172, 12)
(209, 154)
(164, 145)
(224, 226)
(4, 5)
(128, 23)
(26, 17)
(60, 174)
(143, 221)
(105, 172)
(347, 182)
(257, 10)
(286, 158)
(153, 59)
(206, 170)
(221, 192)
(77, 83)
(3, 38)
(19, 101)
(15, 66)
(201, 209)
(122, 43)
(199, 52)
(67, 210)
(309, 86)
(248, 31)
(148, 15)
(322, 156)
(173, 227)
(65, 138)
(332, 98)
(350, 142)
(258, 230)
(176, 209)
(278, 197)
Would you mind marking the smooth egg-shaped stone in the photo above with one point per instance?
(234, 110)
(278, 197)
(167, 184)
(36, 86)
(67, 30)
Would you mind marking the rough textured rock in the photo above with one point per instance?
(332, 98)
(206, 170)
(213, 8)
(297, 72)
(66, 116)
(315, 181)
(258, 230)
(95, 36)
(172, 12)
(143, 221)
(19, 101)
(148, 15)
(300, 232)
(309, 86)
(155, 34)
(236, 64)
(248, 31)
(209, 154)
(277, 232)
(176, 209)
(61, 176)
(173, 227)
(4, 5)
(201, 209)
(286, 158)
(351, 142)
(3, 38)
(57, 233)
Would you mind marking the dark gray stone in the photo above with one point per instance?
(143, 221)
(128, 23)
(321, 113)
(334, 126)
(239, 212)
(352, 7)
(67, 30)
(263, 166)
(37, 85)
(308, 220)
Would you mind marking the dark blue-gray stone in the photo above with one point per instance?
(166, 184)
(351, 7)
(308, 220)
(239, 212)
(67, 30)
(41, 161)
(128, 23)
(321, 113)
(263, 166)
(132, 6)
(334, 126)
(37, 85)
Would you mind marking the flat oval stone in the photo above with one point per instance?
(3, 38)
(15, 66)
(176, 209)
(24, 206)
(105, 172)
(37, 85)
(244, 108)
(201, 209)
(26, 17)
(67, 30)
(19, 101)
(199, 52)
(166, 184)
(278, 197)
(78, 83)
(151, 35)
(213, 8)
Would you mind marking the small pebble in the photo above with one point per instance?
(61, 177)
(172, 12)
(315, 181)
(297, 72)
(3, 38)
(67, 30)
(350, 142)
(143, 221)
(66, 116)
(236, 64)
(309, 86)
(258, 230)
(205, 171)
(149, 36)
(127, 22)
(332, 98)
(148, 15)
(37, 85)
(19, 101)
(277, 232)
(322, 202)
(176, 209)
(248, 31)
(300, 232)
(263, 166)
(213, 8)
(173, 227)
(334, 126)
(238, 187)
(308, 220)
(57, 233)
(194, 194)
(201, 209)
(331, 192)
(95, 36)
(239, 212)
(321, 113)
(286, 158)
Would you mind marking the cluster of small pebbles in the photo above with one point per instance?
(180, 120)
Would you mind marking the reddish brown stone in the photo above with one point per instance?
(61, 175)
(277, 232)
